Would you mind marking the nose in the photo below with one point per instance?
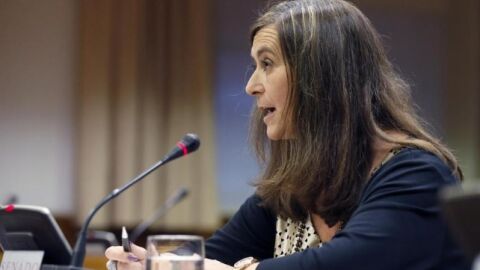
(254, 87)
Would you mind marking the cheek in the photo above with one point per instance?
(282, 92)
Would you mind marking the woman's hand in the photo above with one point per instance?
(216, 265)
(134, 260)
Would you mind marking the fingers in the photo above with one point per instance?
(122, 260)
(116, 253)
(129, 266)
(139, 251)
(216, 265)
(114, 265)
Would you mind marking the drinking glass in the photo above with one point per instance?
(175, 252)
(476, 263)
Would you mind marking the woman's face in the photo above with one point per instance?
(269, 83)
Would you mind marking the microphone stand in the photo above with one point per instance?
(79, 251)
(188, 144)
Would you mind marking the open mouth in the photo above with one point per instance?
(269, 110)
(268, 113)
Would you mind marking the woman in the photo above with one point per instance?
(350, 175)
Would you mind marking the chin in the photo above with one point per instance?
(274, 135)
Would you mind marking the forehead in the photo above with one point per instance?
(266, 39)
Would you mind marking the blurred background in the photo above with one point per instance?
(93, 92)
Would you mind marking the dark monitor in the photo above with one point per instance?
(461, 207)
(26, 227)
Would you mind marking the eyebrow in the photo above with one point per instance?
(264, 49)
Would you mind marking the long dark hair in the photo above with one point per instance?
(343, 94)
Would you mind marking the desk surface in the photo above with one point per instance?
(95, 262)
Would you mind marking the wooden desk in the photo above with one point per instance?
(95, 262)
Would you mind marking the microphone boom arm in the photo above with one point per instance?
(78, 254)
(188, 144)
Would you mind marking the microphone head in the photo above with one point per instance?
(191, 142)
(187, 145)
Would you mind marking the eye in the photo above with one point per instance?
(266, 63)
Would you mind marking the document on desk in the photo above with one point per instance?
(24, 260)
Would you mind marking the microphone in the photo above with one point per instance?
(169, 203)
(188, 144)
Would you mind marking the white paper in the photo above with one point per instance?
(21, 260)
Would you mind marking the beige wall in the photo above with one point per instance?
(37, 83)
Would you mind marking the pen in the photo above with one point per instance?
(125, 242)
(112, 265)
